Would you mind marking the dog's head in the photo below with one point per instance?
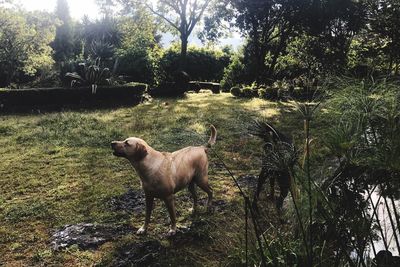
(131, 148)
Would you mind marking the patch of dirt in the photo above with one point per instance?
(217, 204)
(131, 202)
(197, 231)
(87, 235)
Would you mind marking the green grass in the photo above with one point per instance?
(57, 169)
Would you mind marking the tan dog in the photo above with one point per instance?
(162, 174)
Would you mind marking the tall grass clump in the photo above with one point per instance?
(336, 219)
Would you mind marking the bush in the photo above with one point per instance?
(233, 73)
(58, 97)
(236, 91)
(271, 93)
(203, 64)
(262, 93)
(249, 92)
(140, 65)
(177, 87)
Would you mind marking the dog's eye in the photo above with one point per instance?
(126, 143)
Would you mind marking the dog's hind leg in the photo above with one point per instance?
(192, 190)
(203, 184)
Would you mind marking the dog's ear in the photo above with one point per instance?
(140, 152)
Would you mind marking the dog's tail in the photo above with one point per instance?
(213, 137)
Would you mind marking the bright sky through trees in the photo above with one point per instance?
(78, 8)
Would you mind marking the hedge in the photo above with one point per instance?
(11, 99)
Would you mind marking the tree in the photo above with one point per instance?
(182, 15)
(267, 26)
(63, 44)
(106, 7)
(384, 21)
(24, 42)
(140, 50)
(331, 26)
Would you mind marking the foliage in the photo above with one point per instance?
(267, 27)
(182, 17)
(63, 41)
(204, 64)
(98, 38)
(140, 51)
(236, 91)
(369, 110)
(234, 73)
(92, 75)
(248, 92)
(24, 38)
(384, 16)
(331, 26)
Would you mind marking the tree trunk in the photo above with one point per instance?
(10, 74)
(281, 47)
(183, 59)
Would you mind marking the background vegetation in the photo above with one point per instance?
(282, 40)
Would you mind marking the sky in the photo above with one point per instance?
(79, 8)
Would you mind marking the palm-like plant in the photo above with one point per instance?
(90, 75)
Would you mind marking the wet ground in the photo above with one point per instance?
(91, 236)
(87, 235)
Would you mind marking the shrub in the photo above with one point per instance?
(177, 87)
(249, 92)
(271, 93)
(140, 65)
(236, 91)
(233, 73)
(203, 64)
(262, 93)
(92, 75)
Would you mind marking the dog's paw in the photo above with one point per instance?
(141, 231)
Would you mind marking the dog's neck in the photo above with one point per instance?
(149, 164)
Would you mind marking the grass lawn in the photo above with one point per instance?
(57, 169)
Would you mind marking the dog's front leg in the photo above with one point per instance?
(170, 203)
(149, 208)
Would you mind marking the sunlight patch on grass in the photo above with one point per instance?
(199, 128)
